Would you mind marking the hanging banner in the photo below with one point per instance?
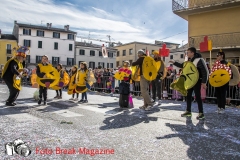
(104, 52)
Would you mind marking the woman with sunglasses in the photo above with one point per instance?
(221, 91)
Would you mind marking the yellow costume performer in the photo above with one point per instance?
(72, 83)
(12, 74)
(82, 78)
(47, 76)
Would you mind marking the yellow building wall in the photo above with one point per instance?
(135, 47)
(215, 22)
(3, 50)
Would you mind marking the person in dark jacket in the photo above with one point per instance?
(199, 62)
(42, 90)
(221, 91)
(12, 71)
(144, 84)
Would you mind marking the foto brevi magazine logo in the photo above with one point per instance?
(17, 147)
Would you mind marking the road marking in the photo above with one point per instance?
(106, 110)
(61, 112)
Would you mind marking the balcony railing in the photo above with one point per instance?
(227, 40)
(8, 51)
(180, 5)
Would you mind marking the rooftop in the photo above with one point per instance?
(45, 28)
(158, 44)
(8, 36)
(91, 45)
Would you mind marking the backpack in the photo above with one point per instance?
(124, 88)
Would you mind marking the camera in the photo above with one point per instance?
(17, 147)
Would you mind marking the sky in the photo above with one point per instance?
(124, 20)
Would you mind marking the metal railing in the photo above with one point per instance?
(233, 92)
(180, 5)
(226, 40)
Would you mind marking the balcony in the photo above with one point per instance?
(8, 51)
(219, 41)
(183, 8)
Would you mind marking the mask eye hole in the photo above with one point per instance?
(222, 74)
(213, 76)
(51, 73)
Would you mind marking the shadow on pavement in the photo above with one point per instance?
(207, 140)
(128, 118)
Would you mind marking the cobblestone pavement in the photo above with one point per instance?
(133, 134)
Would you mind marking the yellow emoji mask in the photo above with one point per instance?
(62, 82)
(187, 80)
(52, 76)
(135, 73)
(190, 74)
(149, 68)
(122, 73)
(220, 74)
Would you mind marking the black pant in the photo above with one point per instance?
(156, 89)
(13, 92)
(84, 95)
(221, 95)
(197, 91)
(74, 95)
(60, 92)
(43, 93)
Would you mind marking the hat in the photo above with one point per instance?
(75, 66)
(155, 52)
(84, 63)
(141, 52)
(21, 51)
(127, 62)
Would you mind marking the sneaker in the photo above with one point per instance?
(14, 103)
(186, 114)
(44, 103)
(218, 110)
(159, 102)
(81, 101)
(221, 111)
(9, 104)
(71, 99)
(148, 107)
(200, 116)
(76, 99)
(56, 97)
(39, 101)
(85, 101)
(142, 107)
(59, 97)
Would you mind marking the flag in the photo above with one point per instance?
(104, 52)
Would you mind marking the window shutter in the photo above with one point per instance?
(43, 33)
(29, 31)
(59, 35)
(29, 43)
(23, 31)
(24, 42)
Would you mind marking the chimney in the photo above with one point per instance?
(0, 33)
(66, 27)
(47, 25)
(50, 25)
(15, 22)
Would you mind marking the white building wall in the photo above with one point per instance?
(87, 58)
(48, 45)
(176, 57)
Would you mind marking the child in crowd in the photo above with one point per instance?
(72, 83)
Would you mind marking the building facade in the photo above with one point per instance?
(7, 43)
(217, 19)
(128, 51)
(58, 44)
(92, 54)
